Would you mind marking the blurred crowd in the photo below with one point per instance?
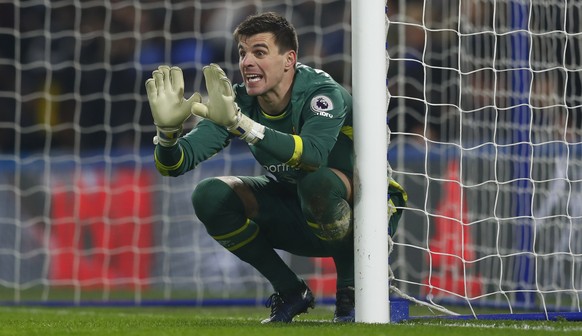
(72, 73)
(463, 71)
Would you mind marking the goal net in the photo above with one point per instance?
(84, 216)
(484, 112)
(486, 117)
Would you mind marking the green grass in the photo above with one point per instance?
(243, 322)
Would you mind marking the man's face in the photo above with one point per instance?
(261, 65)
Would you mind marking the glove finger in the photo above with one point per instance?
(213, 67)
(177, 80)
(158, 77)
(199, 109)
(218, 73)
(218, 70)
(167, 83)
(151, 89)
(210, 78)
(217, 80)
(225, 87)
(224, 83)
(195, 98)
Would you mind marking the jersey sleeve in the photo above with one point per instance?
(322, 117)
(203, 142)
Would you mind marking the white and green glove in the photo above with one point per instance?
(222, 109)
(165, 92)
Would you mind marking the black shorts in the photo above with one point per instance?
(281, 219)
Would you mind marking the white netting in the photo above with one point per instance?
(83, 213)
(485, 113)
(486, 118)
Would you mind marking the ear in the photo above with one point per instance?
(290, 60)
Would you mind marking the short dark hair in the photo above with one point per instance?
(269, 22)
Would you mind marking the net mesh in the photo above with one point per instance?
(84, 215)
(485, 114)
(485, 117)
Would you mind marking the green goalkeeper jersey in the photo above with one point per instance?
(313, 131)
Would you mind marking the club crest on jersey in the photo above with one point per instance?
(320, 105)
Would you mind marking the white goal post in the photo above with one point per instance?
(484, 108)
(371, 146)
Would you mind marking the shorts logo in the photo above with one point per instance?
(320, 105)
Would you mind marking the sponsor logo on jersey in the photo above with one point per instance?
(278, 168)
(320, 105)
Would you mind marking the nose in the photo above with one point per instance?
(246, 60)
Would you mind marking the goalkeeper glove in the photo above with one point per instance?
(222, 109)
(165, 92)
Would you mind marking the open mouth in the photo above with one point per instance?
(253, 78)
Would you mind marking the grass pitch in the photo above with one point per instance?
(242, 322)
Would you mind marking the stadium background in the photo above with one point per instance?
(82, 208)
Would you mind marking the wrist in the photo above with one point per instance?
(167, 136)
(247, 129)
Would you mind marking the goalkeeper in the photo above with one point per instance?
(297, 122)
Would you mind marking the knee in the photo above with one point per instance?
(319, 190)
(324, 204)
(211, 198)
(320, 183)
